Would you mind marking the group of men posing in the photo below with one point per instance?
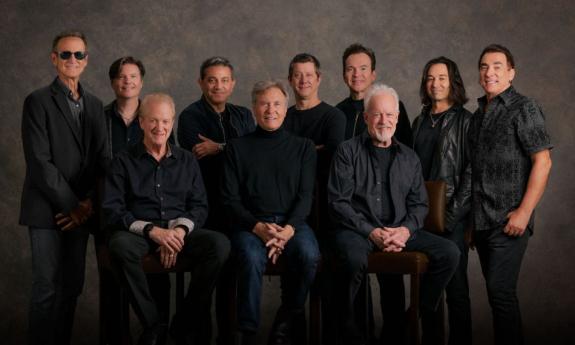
(259, 180)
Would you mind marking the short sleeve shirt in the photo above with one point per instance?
(503, 133)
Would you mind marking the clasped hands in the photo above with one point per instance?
(274, 236)
(76, 217)
(170, 241)
(390, 239)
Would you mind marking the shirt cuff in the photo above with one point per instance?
(138, 226)
(185, 222)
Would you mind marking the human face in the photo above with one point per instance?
(495, 74)
(437, 83)
(217, 85)
(381, 119)
(358, 74)
(305, 80)
(71, 68)
(270, 109)
(156, 122)
(128, 83)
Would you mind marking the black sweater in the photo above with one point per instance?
(268, 174)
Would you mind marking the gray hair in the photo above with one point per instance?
(156, 98)
(215, 61)
(69, 33)
(379, 88)
(264, 85)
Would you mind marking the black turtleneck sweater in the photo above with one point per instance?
(268, 174)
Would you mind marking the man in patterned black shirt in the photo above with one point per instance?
(510, 167)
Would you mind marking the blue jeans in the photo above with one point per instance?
(58, 265)
(300, 257)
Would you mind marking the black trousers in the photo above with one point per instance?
(500, 257)
(206, 249)
(457, 292)
(58, 265)
(351, 251)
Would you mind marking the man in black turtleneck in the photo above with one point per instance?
(267, 191)
(358, 74)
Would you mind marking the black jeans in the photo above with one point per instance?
(58, 265)
(457, 292)
(500, 257)
(351, 251)
(208, 251)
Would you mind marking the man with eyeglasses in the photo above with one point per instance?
(64, 139)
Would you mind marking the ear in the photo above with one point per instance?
(373, 76)
(54, 58)
(511, 75)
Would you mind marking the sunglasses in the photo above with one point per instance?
(68, 54)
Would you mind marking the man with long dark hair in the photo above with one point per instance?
(440, 141)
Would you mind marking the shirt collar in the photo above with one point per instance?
(67, 91)
(506, 97)
(140, 150)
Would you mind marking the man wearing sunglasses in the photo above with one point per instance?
(64, 139)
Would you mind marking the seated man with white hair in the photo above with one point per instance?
(377, 197)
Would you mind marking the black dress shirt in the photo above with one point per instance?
(121, 136)
(76, 105)
(140, 190)
(503, 133)
(355, 195)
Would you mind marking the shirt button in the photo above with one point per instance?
(161, 198)
(163, 213)
(378, 182)
(378, 199)
(158, 185)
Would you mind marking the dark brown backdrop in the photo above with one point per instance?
(260, 37)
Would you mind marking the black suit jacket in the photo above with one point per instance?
(63, 161)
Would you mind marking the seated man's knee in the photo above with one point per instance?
(122, 248)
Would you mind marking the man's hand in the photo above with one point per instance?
(169, 238)
(378, 237)
(206, 148)
(167, 257)
(76, 217)
(396, 238)
(517, 222)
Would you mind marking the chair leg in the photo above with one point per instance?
(413, 312)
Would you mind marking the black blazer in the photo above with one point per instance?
(62, 161)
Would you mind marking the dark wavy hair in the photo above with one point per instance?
(114, 70)
(303, 58)
(357, 48)
(457, 93)
(498, 48)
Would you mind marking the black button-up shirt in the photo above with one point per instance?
(121, 136)
(140, 190)
(354, 188)
(76, 105)
(503, 133)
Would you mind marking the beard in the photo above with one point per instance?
(383, 137)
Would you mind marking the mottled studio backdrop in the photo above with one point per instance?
(260, 38)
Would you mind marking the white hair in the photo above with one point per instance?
(379, 88)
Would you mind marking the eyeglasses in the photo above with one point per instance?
(68, 54)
